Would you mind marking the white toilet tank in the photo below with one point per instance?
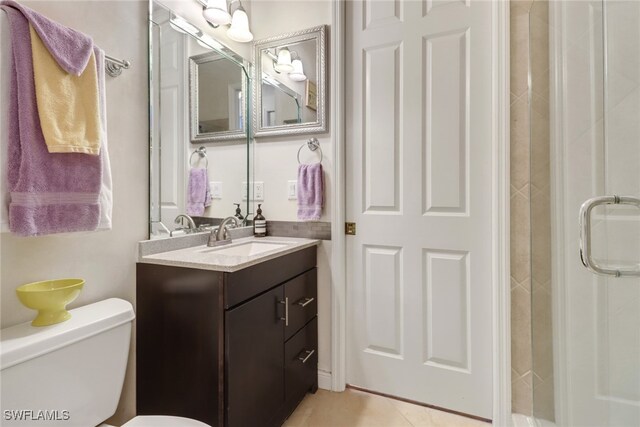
(68, 374)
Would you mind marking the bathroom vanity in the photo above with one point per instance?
(230, 340)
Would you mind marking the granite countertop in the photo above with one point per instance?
(206, 258)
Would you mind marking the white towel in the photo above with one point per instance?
(106, 192)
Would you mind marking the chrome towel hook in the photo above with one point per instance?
(202, 153)
(313, 144)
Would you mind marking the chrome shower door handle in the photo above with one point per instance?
(586, 241)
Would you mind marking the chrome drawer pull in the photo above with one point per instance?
(305, 302)
(304, 359)
(586, 240)
(286, 311)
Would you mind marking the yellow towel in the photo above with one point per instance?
(68, 105)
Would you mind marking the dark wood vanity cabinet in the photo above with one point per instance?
(228, 349)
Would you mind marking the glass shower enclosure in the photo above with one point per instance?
(584, 94)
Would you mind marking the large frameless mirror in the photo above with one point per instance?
(198, 130)
(290, 85)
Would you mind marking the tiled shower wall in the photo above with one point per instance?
(531, 352)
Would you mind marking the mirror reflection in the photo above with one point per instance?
(289, 96)
(199, 142)
(217, 91)
(285, 84)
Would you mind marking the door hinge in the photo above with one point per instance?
(350, 228)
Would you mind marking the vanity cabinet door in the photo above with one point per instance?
(254, 381)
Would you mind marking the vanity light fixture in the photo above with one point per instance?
(297, 75)
(284, 61)
(239, 30)
(216, 13)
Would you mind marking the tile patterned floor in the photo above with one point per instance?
(358, 409)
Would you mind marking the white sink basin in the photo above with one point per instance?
(246, 249)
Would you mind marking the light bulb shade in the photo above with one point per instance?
(216, 12)
(297, 75)
(239, 30)
(284, 61)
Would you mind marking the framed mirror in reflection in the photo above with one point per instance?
(198, 94)
(289, 98)
(217, 88)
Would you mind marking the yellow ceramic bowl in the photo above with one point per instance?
(50, 298)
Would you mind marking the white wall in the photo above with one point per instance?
(106, 260)
(274, 158)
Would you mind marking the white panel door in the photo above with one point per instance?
(419, 187)
(599, 154)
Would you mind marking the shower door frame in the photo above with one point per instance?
(557, 199)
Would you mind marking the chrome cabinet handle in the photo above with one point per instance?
(286, 311)
(586, 241)
(305, 301)
(304, 359)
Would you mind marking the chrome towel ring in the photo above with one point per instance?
(313, 144)
(202, 153)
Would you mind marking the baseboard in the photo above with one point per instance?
(324, 380)
(520, 420)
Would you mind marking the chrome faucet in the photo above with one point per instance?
(220, 236)
(191, 225)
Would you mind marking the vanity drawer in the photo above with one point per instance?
(244, 284)
(301, 365)
(301, 293)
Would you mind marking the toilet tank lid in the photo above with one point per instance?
(22, 342)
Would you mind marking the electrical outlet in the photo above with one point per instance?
(257, 192)
(216, 189)
(292, 190)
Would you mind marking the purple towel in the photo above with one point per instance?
(70, 48)
(198, 194)
(50, 192)
(310, 190)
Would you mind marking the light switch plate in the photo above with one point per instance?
(292, 190)
(216, 189)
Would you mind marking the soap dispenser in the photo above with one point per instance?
(238, 214)
(259, 224)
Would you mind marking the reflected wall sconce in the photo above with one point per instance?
(216, 13)
(297, 75)
(288, 62)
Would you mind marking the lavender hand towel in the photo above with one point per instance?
(70, 48)
(198, 194)
(310, 189)
(50, 193)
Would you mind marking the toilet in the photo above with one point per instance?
(71, 373)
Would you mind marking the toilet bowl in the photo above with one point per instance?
(71, 373)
